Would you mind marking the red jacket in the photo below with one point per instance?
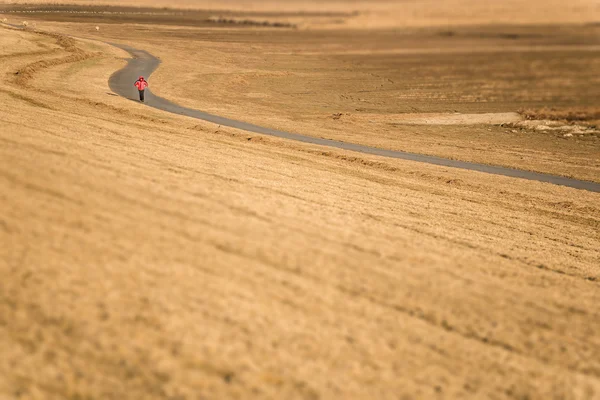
(141, 84)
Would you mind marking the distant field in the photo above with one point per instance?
(386, 13)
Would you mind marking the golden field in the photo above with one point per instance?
(149, 255)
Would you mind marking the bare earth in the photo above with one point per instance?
(147, 255)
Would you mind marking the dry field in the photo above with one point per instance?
(147, 255)
(451, 93)
(370, 14)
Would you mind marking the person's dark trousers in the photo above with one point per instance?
(141, 95)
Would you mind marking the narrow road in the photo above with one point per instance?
(144, 63)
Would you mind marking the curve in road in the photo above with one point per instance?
(144, 63)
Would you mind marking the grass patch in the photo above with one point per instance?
(588, 115)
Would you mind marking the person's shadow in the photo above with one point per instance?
(128, 98)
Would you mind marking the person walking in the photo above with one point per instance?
(141, 84)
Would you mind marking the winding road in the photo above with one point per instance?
(144, 63)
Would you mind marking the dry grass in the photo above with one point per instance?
(149, 256)
(589, 115)
(250, 22)
(26, 73)
(369, 88)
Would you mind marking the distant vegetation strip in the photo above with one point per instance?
(237, 21)
(200, 17)
(589, 114)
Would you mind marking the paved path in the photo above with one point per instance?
(144, 63)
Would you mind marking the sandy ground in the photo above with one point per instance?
(147, 255)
